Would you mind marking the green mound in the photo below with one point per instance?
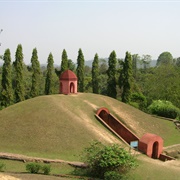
(60, 126)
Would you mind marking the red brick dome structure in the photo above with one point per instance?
(68, 82)
(151, 144)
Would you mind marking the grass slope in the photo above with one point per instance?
(60, 126)
(154, 169)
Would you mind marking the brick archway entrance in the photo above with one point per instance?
(72, 88)
(151, 145)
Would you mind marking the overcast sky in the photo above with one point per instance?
(140, 27)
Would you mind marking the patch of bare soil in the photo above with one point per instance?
(92, 105)
(102, 134)
(7, 177)
(126, 116)
(173, 151)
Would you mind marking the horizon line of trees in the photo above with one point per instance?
(121, 79)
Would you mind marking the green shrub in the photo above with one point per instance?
(102, 159)
(46, 169)
(164, 108)
(138, 101)
(2, 166)
(112, 175)
(33, 167)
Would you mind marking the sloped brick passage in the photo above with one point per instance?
(104, 115)
(150, 144)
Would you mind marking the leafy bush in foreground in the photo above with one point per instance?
(102, 159)
(112, 175)
(165, 109)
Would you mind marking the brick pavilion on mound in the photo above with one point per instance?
(68, 83)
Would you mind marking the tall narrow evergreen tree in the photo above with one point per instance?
(111, 72)
(95, 74)
(71, 65)
(135, 59)
(125, 79)
(64, 61)
(36, 74)
(80, 71)
(19, 76)
(49, 84)
(6, 83)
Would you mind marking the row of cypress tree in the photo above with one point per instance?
(12, 90)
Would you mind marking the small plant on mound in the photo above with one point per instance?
(33, 167)
(36, 168)
(165, 109)
(2, 166)
(46, 169)
(105, 160)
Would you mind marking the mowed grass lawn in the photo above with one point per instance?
(61, 126)
(147, 169)
(151, 169)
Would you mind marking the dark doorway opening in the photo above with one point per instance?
(155, 150)
(72, 88)
(104, 115)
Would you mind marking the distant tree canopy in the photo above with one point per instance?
(178, 62)
(139, 83)
(71, 65)
(165, 58)
(146, 59)
(161, 83)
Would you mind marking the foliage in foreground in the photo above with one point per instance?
(35, 168)
(2, 166)
(105, 160)
(165, 109)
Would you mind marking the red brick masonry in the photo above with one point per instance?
(68, 83)
(116, 125)
(151, 144)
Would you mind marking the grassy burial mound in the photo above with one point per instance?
(60, 126)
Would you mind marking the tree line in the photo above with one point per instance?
(131, 80)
